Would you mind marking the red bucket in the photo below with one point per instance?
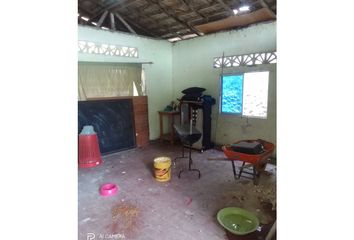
(89, 151)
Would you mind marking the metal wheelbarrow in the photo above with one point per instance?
(257, 161)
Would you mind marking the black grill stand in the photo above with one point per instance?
(187, 138)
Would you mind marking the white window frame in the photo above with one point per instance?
(243, 81)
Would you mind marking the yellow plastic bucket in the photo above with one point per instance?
(162, 166)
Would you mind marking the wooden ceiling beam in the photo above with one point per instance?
(178, 19)
(232, 22)
(265, 5)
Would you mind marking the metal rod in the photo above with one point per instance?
(99, 23)
(125, 23)
(233, 169)
(241, 170)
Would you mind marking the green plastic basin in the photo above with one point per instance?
(237, 220)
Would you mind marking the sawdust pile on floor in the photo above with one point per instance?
(124, 210)
(125, 218)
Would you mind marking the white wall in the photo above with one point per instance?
(192, 65)
(158, 75)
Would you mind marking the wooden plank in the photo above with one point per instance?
(236, 21)
(124, 22)
(265, 5)
(141, 120)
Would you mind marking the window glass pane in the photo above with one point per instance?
(255, 96)
(231, 94)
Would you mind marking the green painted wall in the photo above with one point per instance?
(158, 75)
(192, 65)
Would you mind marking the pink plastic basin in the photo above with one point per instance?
(108, 189)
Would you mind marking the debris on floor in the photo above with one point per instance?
(125, 219)
(188, 200)
(189, 213)
(181, 208)
(254, 197)
(86, 220)
(124, 210)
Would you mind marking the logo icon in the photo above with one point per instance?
(90, 236)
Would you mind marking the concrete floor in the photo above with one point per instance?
(182, 208)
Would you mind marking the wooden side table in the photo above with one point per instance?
(170, 136)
